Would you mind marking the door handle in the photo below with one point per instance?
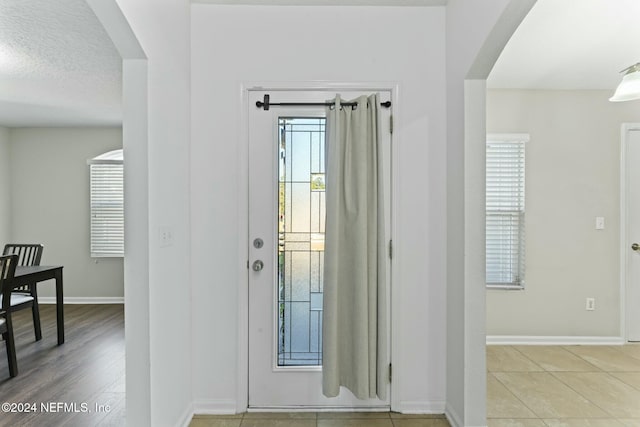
(257, 265)
(635, 247)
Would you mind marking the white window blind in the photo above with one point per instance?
(505, 185)
(107, 205)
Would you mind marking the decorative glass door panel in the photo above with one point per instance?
(286, 252)
(301, 212)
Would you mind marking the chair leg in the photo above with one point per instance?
(36, 321)
(35, 310)
(11, 351)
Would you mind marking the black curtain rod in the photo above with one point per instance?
(266, 104)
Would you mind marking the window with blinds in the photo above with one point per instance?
(505, 186)
(106, 188)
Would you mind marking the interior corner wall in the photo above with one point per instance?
(476, 33)
(5, 190)
(232, 45)
(572, 177)
(49, 179)
(162, 31)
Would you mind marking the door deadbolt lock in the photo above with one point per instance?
(257, 265)
(635, 247)
(258, 243)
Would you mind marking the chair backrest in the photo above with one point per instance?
(28, 254)
(8, 265)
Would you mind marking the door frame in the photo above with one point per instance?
(625, 312)
(242, 392)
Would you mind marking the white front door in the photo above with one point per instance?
(631, 226)
(286, 244)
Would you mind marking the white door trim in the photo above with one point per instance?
(624, 240)
(243, 236)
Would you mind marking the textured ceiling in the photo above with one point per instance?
(58, 67)
(571, 44)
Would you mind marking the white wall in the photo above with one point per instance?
(572, 176)
(156, 95)
(5, 190)
(49, 181)
(476, 34)
(232, 45)
(162, 30)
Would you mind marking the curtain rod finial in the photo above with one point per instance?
(263, 104)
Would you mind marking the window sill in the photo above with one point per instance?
(505, 287)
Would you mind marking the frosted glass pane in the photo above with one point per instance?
(300, 326)
(287, 207)
(298, 237)
(314, 330)
(297, 246)
(321, 254)
(323, 209)
(315, 211)
(316, 301)
(301, 207)
(315, 152)
(287, 276)
(300, 276)
(320, 334)
(322, 170)
(300, 154)
(315, 272)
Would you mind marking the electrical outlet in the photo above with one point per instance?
(591, 304)
(165, 236)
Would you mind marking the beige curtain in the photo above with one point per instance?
(354, 317)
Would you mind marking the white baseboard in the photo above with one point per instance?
(209, 407)
(452, 417)
(214, 407)
(552, 340)
(83, 300)
(259, 409)
(228, 407)
(421, 407)
(186, 417)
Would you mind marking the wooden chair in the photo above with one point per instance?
(7, 270)
(26, 296)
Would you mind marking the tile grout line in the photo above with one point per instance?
(581, 395)
(516, 396)
(530, 360)
(600, 370)
(626, 372)
(555, 374)
(511, 391)
(584, 359)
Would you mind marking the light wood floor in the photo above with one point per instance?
(87, 370)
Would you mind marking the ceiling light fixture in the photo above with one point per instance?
(629, 87)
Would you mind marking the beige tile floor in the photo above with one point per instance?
(563, 386)
(319, 419)
(527, 386)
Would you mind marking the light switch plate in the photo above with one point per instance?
(599, 223)
(590, 304)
